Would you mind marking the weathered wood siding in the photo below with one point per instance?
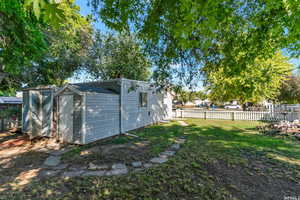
(133, 115)
(46, 97)
(102, 117)
(37, 112)
(26, 113)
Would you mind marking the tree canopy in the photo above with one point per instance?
(183, 96)
(67, 50)
(21, 37)
(114, 56)
(214, 31)
(258, 81)
(35, 51)
(290, 90)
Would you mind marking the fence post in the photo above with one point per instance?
(204, 114)
(181, 113)
(232, 116)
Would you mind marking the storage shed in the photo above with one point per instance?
(87, 112)
(37, 111)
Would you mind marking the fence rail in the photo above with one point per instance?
(237, 115)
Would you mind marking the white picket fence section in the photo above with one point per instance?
(236, 115)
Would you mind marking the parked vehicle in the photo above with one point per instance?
(232, 107)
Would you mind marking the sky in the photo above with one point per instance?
(86, 10)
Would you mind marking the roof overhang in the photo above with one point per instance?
(68, 86)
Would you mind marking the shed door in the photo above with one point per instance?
(65, 125)
(46, 112)
(36, 113)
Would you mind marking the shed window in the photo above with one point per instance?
(143, 99)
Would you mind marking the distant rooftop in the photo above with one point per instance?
(10, 100)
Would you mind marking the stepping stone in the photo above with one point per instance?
(158, 160)
(136, 164)
(142, 144)
(182, 123)
(76, 168)
(175, 146)
(117, 172)
(44, 150)
(148, 165)
(95, 167)
(92, 166)
(163, 156)
(52, 161)
(60, 166)
(137, 169)
(180, 141)
(49, 173)
(73, 173)
(102, 167)
(168, 153)
(119, 166)
(95, 173)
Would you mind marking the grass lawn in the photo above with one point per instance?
(220, 160)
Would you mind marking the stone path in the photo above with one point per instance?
(54, 168)
(52, 161)
(182, 123)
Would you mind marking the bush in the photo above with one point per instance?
(11, 113)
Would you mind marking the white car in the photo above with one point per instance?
(232, 107)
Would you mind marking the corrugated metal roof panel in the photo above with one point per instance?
(10, 100)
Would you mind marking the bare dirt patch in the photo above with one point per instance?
(21, 159)
(110, 153)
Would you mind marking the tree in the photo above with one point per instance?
(115, 56)
(255, 83)
(208, 31)
(21, 37)
(183, 96)
(64, 52)
(290, 90)
(200, 95)
(67, 51)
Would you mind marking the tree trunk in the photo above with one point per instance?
(2, 76)
(244, 106)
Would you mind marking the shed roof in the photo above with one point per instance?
(41, 87)
(10, 100)
(91, 87)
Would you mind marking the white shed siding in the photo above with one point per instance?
(102, 116)
(134, 116)
(167, 105)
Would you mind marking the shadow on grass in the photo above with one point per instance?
(181, 176)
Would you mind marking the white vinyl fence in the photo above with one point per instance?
(236, 115)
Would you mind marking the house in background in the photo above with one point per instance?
(200, 102)
(8, 102)
(85, 112)
(10, 107)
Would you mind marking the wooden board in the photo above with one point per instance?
(65, 124)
